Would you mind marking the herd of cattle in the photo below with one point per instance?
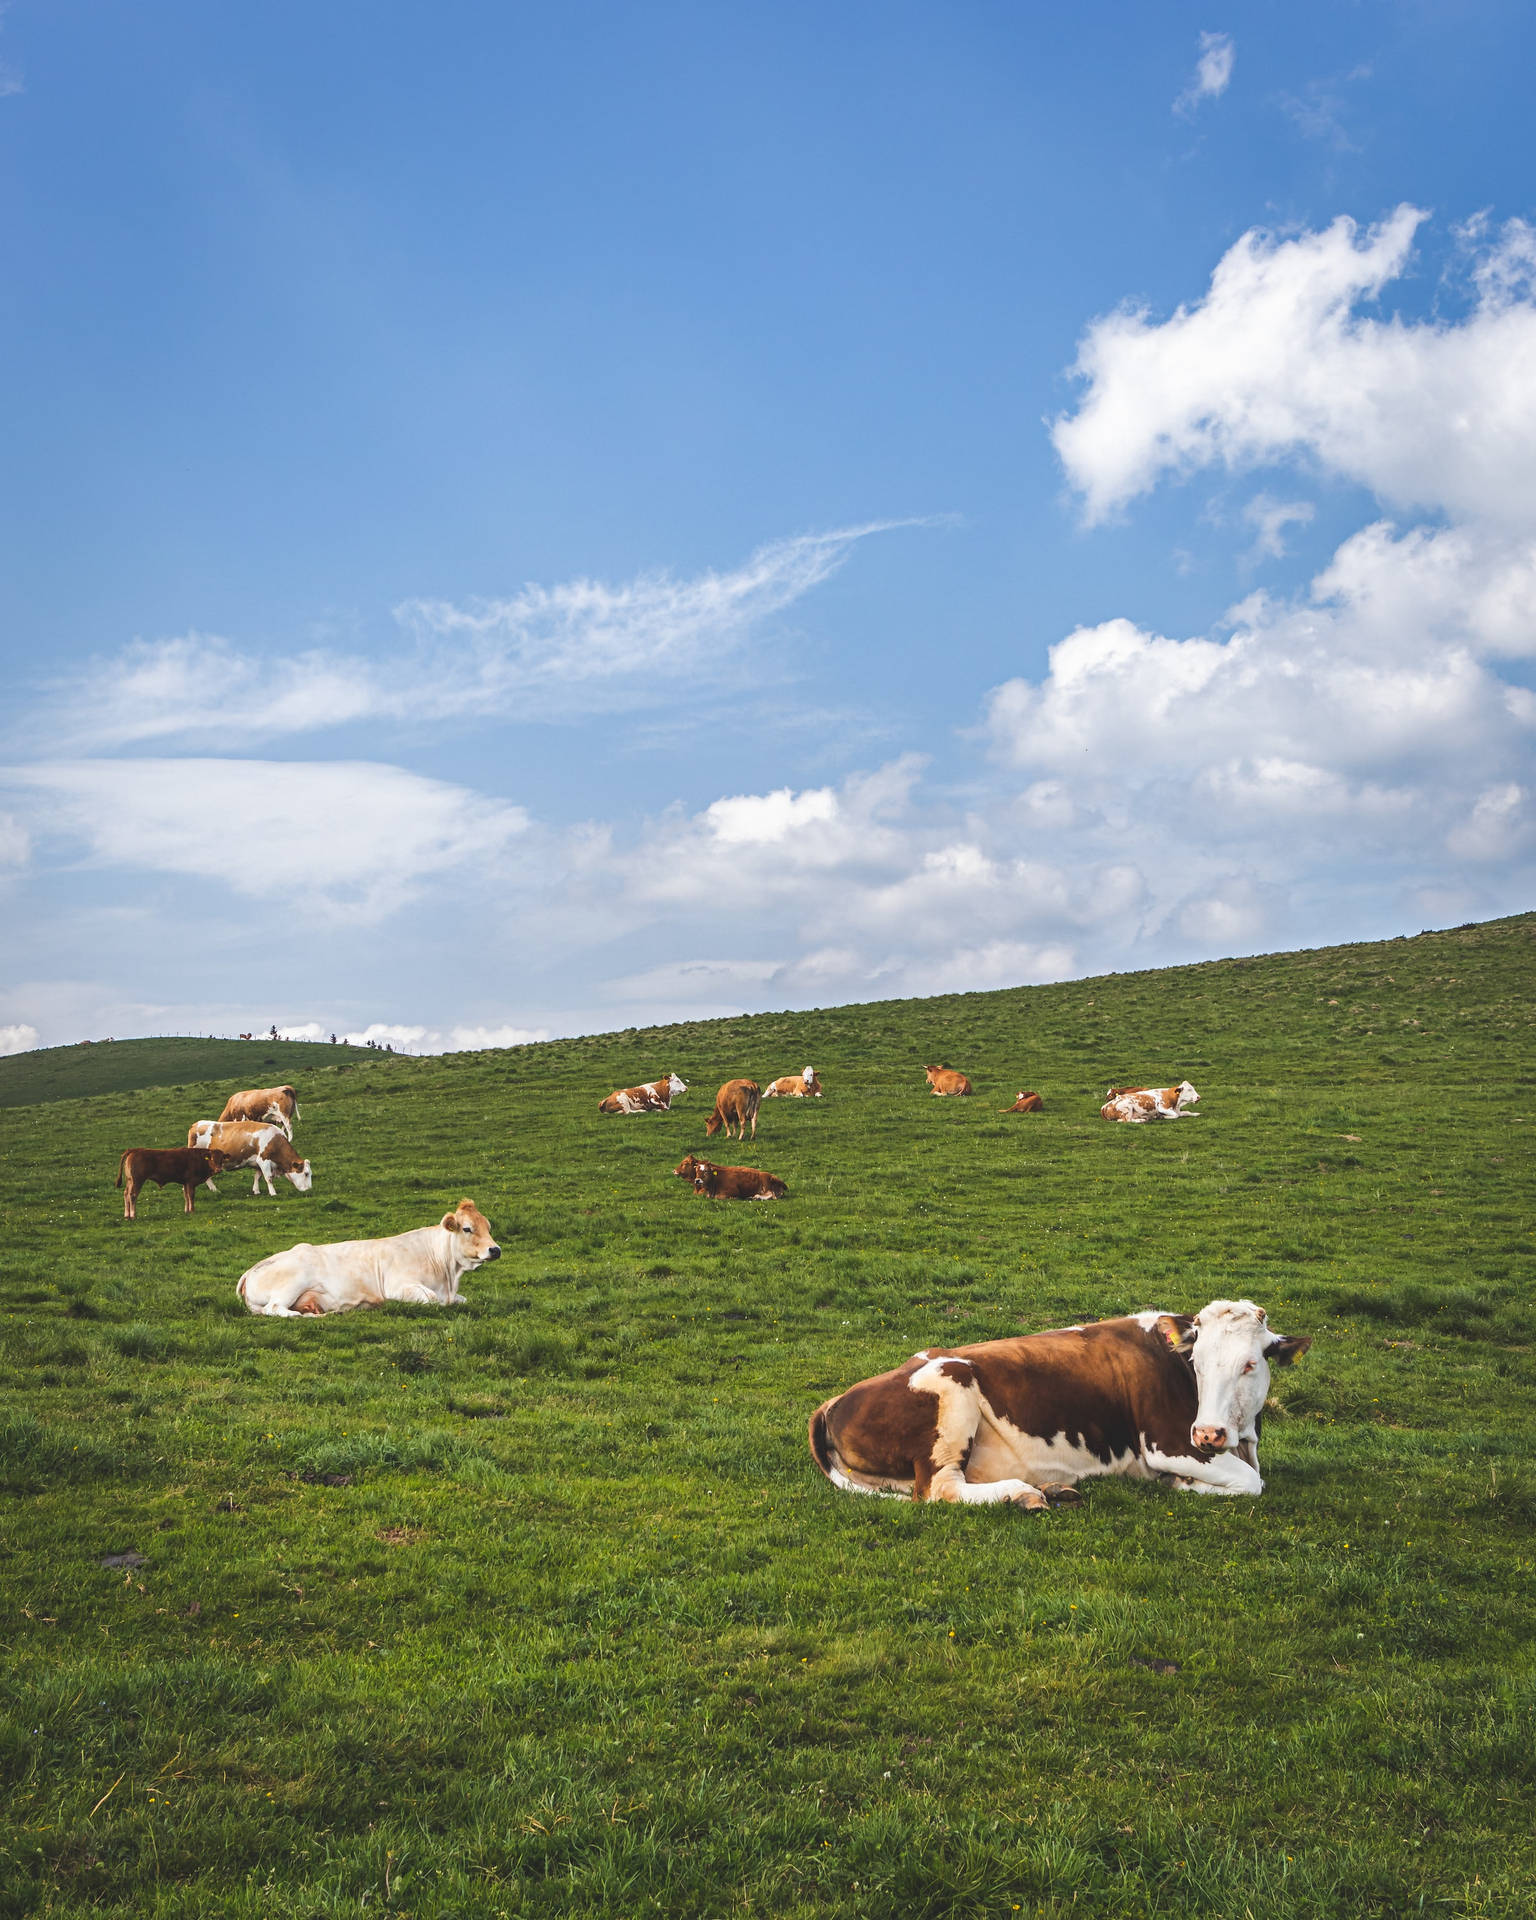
(1172, 1397)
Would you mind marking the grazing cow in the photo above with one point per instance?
(656, 1096)
(735, 1106)
(1138, 1104)
(946, 1080)
(184, 1167)
(424, 1266)
(1026, 1103)
(1175, 1397)
(245, 1144)
(279, 1105)
(737, 1183)
(794, 1086)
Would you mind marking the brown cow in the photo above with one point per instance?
(735, 1106)
(794, 1086)
(277, 1105)
(1170, 1397)
(1026, 1103)
(184, 1167)
(947, 1080)
(656, 1096)
(738, 1183)
(690, 1166)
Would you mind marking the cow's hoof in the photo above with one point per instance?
(1063, 1496)
(1030, 1499)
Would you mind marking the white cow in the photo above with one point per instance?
(424, 1266)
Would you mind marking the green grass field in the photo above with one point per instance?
(539, 1607)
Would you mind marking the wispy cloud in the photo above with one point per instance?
(545, 653)
(1213, 72)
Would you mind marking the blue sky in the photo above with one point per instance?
(522, 521)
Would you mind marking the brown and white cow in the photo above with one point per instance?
(794, 1086)
(1026, 1103)
(737, 1183)
(736, 1106)
(244, 1144)
(1170, 1396)
(656, 1096)
(1139, 1104)
(424, 1266)
(184, 1167)
(277, 1105)
(947, 1080)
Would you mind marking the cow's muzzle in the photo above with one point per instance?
(1209, 1437)
(494, 1253)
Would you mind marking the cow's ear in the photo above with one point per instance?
(450, 1221)
(1178, 1329)
(1286, 1352)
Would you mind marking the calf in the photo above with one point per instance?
(1026, 1103)
(794, 1086)
(423, 1266)
(737, 1183)
(184, 1167)
(947, 1080)
(735, 1106)
(277, 1105)
(656, 1096)
(246, 1145)
(1174, 1397)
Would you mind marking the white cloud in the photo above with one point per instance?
(545, 653)
(352, 839)
(17, 1039)
(1276, 362)
(1270, 518)
(1213, 72)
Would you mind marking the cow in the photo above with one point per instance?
(690, 1166)
(735, 1106)
(947, 1080)
(656, 1096)
(423, 1266)
(1026, 1103)
(794, 1086)
(1139, 1104)
(277, 1105)
(184, 1167)
(244, 1144)
(1175, 1397)
(737, 1183)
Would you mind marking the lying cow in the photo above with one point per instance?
(737, 1183)
(794, 1086)
(277, 1105)
(689, 1167)
(656, 1096)
(1169, 1396)
(184, 1167)
(735, 1106)
(946, 1080)
(1138, 1104)
(244, 1144)
(1026, 1103)
(424, 1266)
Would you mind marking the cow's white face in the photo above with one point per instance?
(677, 1086)
(301, 1177)
(1233, 1350)
(1185, 1095)
(808, 1075)
(473, 1243)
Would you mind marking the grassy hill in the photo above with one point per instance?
(121, 1066)
(539, 1607)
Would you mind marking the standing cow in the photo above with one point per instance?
(184, 1167)
(1170, 1396)
(244, 1144)
(277, 1105)
(736, 1106)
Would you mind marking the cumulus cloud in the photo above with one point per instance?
(545, 653)
(17, 1038)
(353, 839)
(1270, 518)
(1277, 362)
(1213, 72)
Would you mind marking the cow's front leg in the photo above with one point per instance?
(957, 1420)
(186, 1194)
(414, 1294)
(1224, 1473)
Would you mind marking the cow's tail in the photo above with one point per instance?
(240, 1287)
(821, 1440)
(121, 1164)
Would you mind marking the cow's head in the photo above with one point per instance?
(677, 1086)
(473, 1243)
(689, 1166)
(1184, 1095)
(301, 1176)
(1233, 1348)
(808, 1075)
